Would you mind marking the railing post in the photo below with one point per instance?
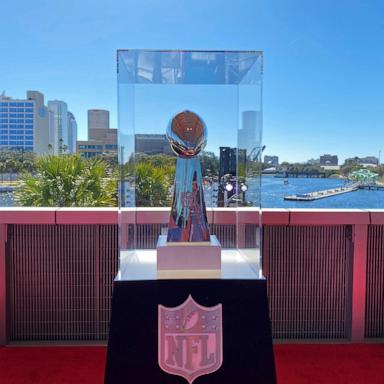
(360, 238)
(241, 236)
(3, 285)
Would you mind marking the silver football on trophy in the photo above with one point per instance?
(187, 134)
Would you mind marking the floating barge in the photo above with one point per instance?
(323, 194)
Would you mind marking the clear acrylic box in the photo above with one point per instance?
(224, 88)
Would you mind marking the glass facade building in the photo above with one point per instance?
(72, 132)
(59, 131)
(17, 124)
(29, 125)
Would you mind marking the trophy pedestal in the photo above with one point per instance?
(188, 256)
(132, 355)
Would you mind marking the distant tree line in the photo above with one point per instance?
(344, 171)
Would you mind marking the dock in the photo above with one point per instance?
(324, 193)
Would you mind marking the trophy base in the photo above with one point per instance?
(188, 256)
(133, 348)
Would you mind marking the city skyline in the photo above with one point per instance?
(28, 124)
(100, 119)
(341, 160)
(323, 76)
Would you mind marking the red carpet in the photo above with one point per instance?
(330, 363)
(296, 364)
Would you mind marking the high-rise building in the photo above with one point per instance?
(72, 132)
(249, 133)
(98, 119)
(329, 160)
(273, 161)
(59, 141)
(29, 125)
(102, 140)
(41, 123)
(152, 144)
(24, 123)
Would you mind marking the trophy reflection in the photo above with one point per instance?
(188, 244)
(187, 135)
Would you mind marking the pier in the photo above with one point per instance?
(324, 193)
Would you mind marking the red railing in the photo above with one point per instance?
(325, 270)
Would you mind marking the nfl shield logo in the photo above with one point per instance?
(190, 339)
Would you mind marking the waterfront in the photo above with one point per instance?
(274, 189)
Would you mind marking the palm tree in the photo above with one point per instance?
(152, 185)
(68, 181)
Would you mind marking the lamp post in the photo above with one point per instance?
(228, 188)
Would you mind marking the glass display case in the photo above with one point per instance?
(164, 97)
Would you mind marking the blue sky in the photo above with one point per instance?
(323, 73)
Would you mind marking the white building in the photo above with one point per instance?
(41, 124)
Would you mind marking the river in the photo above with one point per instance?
(274, 190)
(6, 199)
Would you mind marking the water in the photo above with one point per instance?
(6, 199)
(274, 190)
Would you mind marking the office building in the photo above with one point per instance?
(369, 160)
(314, 161)
(329, 160)
(72, 132)
(41, 122)
(102, 140)
(152, 144)
(98, 119)
(105, 145)
(272, 161)
(59, 139)
(372, 161)
(24, 123)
